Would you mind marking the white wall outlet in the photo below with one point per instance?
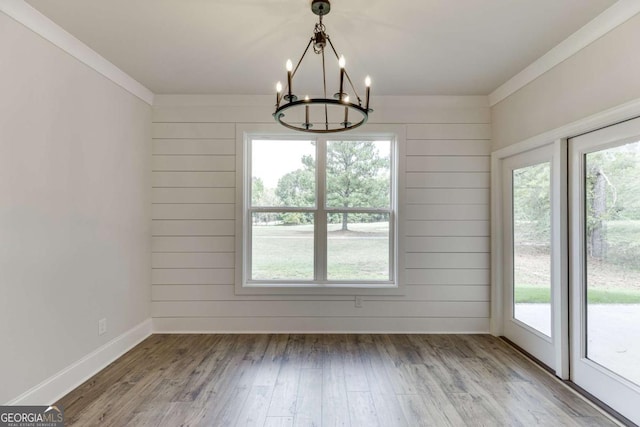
(358, 302)
(102, 326)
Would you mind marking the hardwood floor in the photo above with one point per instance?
(325, 380)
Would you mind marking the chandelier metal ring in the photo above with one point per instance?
(308, 126)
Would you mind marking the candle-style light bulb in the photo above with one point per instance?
(278, 91)
(306, 112)
(289, 76)
(346, 112)
(341, 63)
(367, 83)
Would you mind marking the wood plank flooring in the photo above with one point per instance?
(325, 380)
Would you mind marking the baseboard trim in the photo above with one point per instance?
(58, 385)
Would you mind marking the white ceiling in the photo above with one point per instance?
(409, 47)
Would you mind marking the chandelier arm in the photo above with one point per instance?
(324, 81)
(345, 72)
(301, 58)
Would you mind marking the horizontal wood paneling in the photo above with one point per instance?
(193, 195)
(199, 228)
(447, 212)
(447, 180)
(193, 163)
(193, 276)
(445, 233)
(318, 308)
(447, 228)
(194, 211)
(192, 260)
(194, 130)
(430, 115)
(194, 146)
(448, 164)
(262, 114)
(453, 196)
(448, 147)
(451, 276)
(447, 244)
(449, 131)
(193, 179)
(446, 260)
(227, 293)
(198, 243)
(208, 114)
(321, 324)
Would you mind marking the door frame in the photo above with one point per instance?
(556, 154)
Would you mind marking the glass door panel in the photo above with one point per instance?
(528, 253)
(612, 237)
(532, 246)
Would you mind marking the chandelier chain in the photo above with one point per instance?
(319, 28)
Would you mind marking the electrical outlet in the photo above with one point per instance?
(102, 326)
(358, 302)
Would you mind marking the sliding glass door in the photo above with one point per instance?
(605, 265)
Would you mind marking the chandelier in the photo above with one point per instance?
(330, 114)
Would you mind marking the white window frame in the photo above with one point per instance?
(245, 286)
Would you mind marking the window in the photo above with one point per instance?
(319, 212)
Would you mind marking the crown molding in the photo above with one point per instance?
(617, 14)
(26, 15)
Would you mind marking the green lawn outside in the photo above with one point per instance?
(286, 252)
(540, 295)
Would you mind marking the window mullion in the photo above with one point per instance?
(321, 215)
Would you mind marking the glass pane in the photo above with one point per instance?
(357, 246)
(358, 174)
(532, 246)
(612, 187)
(283, 173)
(281, 251)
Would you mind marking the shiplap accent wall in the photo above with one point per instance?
(446, 230)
